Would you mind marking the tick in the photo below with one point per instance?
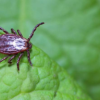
(13, 44)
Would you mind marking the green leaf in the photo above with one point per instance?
(44, 81)
(70, 35)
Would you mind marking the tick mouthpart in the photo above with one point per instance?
(30, 45)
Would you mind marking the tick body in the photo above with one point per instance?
(12, 44)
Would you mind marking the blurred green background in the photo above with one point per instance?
(70, 35)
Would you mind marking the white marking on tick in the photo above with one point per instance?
(19, 44)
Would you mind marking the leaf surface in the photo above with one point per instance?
(70, 35)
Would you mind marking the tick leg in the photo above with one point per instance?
(28, 56)
(34, 30)
(9, 61)
(19, 33)
(4, 30)
(19, 60)
(4, 58)
(13, 31)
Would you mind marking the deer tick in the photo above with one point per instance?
(12, 44)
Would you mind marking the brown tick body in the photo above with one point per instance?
(12, 44)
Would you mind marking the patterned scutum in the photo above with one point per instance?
(12, 44)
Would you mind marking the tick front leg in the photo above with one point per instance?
(28, 56)
(13, 31)
(4, 58)
(19, 60)
(9, 61)
(4, 30)
(19, 33)
(34, 30)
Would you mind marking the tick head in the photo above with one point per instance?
(30, 46)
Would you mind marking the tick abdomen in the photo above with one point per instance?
(12, 44)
